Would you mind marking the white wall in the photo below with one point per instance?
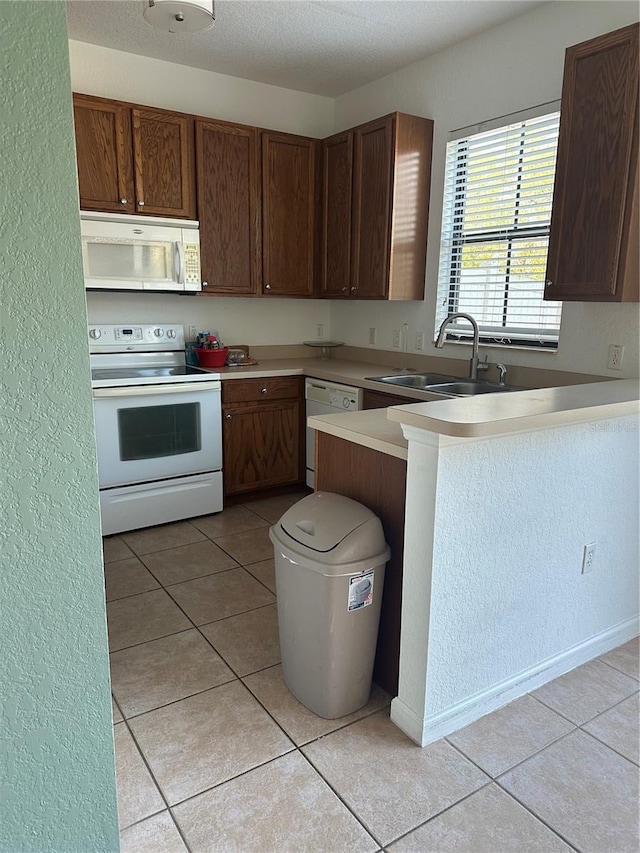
(111, 73)
(240, 321)
(492, 572)
(115, 74)
(516, 65)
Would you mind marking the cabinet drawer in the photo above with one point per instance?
(252, 390)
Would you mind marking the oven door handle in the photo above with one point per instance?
(156, 390)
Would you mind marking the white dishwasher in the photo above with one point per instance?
(326, 398)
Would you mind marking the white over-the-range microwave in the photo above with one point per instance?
(145, 253)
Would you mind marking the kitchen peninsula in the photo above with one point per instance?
(495, 601)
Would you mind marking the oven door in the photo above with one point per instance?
(157, 432)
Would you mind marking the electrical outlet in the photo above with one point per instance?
(588, 557)
(319, 330)
(395, 339)
(616, 352)
(192, 332)
(373, 335)
(419, 340)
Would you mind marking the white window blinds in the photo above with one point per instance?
(495, 232)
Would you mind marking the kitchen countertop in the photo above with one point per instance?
(463, 417)
(542, 408)
(369, 429)
(332, 369)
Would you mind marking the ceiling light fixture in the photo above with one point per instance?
(179, 16)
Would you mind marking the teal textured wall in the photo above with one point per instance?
(57, 780)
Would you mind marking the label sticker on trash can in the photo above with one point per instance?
(360, 590)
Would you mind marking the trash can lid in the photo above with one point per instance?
(323, 520)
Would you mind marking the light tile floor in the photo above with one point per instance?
(215, 755)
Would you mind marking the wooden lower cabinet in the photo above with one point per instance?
(379, 482)
(262, 433)
(382, 400)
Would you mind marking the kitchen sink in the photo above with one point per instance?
(420, 381)
(468, 388)
(448, 386)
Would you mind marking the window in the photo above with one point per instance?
(495, 231)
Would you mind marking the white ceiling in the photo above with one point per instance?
(326, 47)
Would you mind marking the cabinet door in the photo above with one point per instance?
(337, 176)
(103, 150)
(373, 154)
(288, 201)
(261, 445)
(228, 207)
(164, 163)
(596, 170)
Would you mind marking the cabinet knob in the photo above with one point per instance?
(267, 287)
(263, 390)
(548, 283)
(345, 288)
(228, 417)
(140, 203)
(352, 288)
(205, 284)
(123, 201)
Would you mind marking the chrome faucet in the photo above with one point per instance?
(474, 363)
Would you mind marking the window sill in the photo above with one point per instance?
(506, 347)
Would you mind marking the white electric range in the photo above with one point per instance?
(158, 427)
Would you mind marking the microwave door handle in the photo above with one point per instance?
(180, 257)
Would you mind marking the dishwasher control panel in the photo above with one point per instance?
(342, 398)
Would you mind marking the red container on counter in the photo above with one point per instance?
(212, 357)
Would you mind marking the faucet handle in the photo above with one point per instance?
(502, 370)
(483, 363)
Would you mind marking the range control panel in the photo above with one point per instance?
(147, 337)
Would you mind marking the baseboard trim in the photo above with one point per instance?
(452, 719)
(407, 720)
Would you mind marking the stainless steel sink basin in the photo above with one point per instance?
(448, 386)
(468, 389)
(414, 380)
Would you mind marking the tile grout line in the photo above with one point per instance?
(617, 669)
(591, 719)
(460, 749)
(487, 784)
(496, 780)
(158, 788)
(193, 625)
(181, 699)
(359, 820)
(606, 745)
(527, 808)
(165, 586)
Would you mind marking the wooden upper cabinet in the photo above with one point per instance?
(593, 244)
(288, 214)
(337, 180)
(372, 188)
(133, 159)
(164, 163)
(104, 154)
(228, 207)
(385, 182)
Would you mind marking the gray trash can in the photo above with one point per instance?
(330, 555)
